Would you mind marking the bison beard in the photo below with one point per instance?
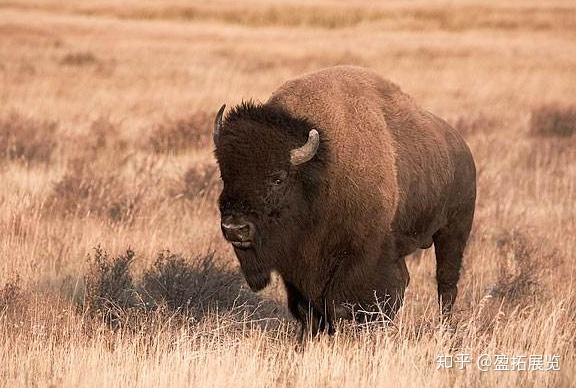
(258, 261)
(340, 176)
(256, 272)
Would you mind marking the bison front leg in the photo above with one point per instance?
(383, 304)
(449, 244)
(311, 321)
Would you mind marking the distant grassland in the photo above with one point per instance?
(450, 17)
(113, 271)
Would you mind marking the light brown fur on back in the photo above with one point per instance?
(392, 182)
(345, 102)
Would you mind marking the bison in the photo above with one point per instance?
(331, 183)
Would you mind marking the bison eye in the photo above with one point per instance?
(278, 178)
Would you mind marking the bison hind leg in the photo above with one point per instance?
(449, 245)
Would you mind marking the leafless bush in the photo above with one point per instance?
(10, 296)
(200, 181)
(115, 190)
(523, 266)
(25, 139)
(188, 289)
(553, 120)
(102, 140)
(274, 15)
(553, 155)
(174, 136)
(195, 286)
(81, 58)
(106, 134)
(110, 290)
(80, 194)
(29, 313)
(474, 123)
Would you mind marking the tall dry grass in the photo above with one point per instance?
(105, 114)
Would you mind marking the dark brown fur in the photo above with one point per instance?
(388, 178)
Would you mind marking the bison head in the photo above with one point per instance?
(270, 164)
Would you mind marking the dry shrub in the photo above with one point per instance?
(26, 140)
(103, 139)
(110, 290)
(174, 136)
(474, 123)
(523, 267)
(27, 313)
(553, 155)
(174, 287)
(198, 289)
(10, 297)
(82, 58)
(553, 120)
(105, 134)
(273, 15)
(192, 285)
(114, 190)
(412, 18)
(78, 194)
(200, 181)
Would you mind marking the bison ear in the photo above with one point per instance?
(218, 124)
(307, 151)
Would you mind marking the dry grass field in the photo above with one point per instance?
(113, 271)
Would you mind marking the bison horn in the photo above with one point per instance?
(307, 151)
(218, 124)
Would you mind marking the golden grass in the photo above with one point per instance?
(92, 96)
(331, 14)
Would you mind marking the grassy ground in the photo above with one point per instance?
(105, 120)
